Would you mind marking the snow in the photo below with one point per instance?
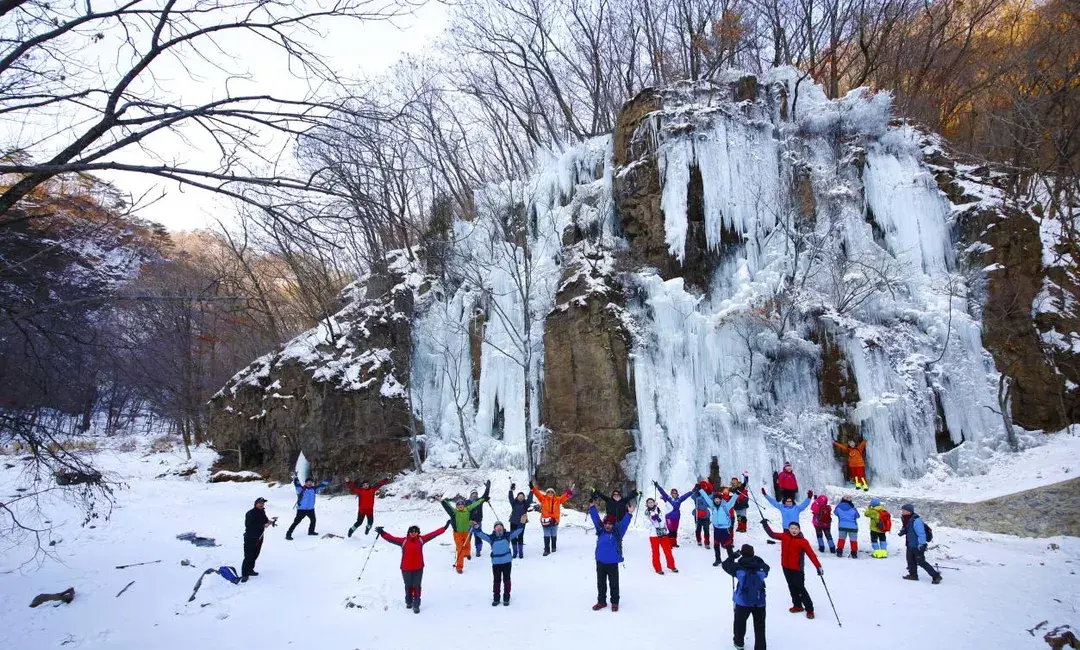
(1003, 587)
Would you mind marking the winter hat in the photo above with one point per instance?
(875, 502)
(260, 500)
(908, 507)
(747, 550)
(309, 480)
(497, 524)
(474, 493)
(460, 502)
(822, 499)
(787, 464)
(414, 529)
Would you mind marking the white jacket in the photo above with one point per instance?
(657, 522)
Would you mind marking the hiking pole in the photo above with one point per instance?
(951, 568)
(762, 514)
(368, 558)
(497, 517)
(830, 601)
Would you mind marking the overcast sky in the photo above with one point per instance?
(354, 49)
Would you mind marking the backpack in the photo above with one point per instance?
(229, 573)
(824, 516)
(884, 521)
(929, 532)
(752, 587)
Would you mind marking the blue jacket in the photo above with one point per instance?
(846, 514)
(702, 500)
(915, 532)
(789, 514)
(741, 569)
(500, 544)
(609, 544)
(306, 500)
(720, 515)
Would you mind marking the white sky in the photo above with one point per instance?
(354, 50)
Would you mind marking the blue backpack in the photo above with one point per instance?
(229, 573)
(752, 587)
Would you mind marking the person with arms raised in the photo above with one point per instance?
(550, 512)
(412, 559)
(608, 555)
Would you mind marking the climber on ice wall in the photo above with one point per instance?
(855, 461)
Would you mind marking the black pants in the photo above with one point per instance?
(916, 559)
(702, 525)
(360, 517)
(300, 514)
(607, 574)
(500, 573)
(252, 547)
(796, 584)
(412, 584)
(520, 540)
(743, 613)
(876, 537)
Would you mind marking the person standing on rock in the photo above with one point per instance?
(609, 535)
(365, 498)
(856, 462)
(847, 526)
(519, 517)
(787, 486)
(659, 536)
(412, 559)
(460, 512)
(305, 503)
(789, 512)
(550, 511)
(793, 546)
(914, 530)
(749, 572)
(502, 557)
(674, 513)
(476, 516)
(702, 508)
(255, 524)
(880, 524)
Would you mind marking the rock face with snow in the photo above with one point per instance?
(744, 271)
(333, 392)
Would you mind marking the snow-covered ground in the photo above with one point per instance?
(1004, 585)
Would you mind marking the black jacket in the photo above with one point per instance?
(477, 514)
(519, 508)
(613, 508)
(255, 523)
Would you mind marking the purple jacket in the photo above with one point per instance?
(676, 504)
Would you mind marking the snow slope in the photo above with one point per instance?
(1004, 586)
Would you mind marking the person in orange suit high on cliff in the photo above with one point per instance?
(856, 462)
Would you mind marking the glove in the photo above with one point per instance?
(764, 521)
(697, 488)
(821, 571)
(809, 494)
(487, 483)
(763, 492)
(922, 548)
(736, 555)
(379, 530)
(512, 486)
(530, 485)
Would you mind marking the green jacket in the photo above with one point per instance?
(461, 517)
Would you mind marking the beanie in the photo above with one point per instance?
(875, 502)
(747, 550)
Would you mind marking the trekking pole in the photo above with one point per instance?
(830, 601)
(497, 517)
(758, 505)
(368, 557)
(951, 568)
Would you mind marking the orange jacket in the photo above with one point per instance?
(854, 454)
(551, 504)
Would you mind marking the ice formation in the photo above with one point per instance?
(732, 372)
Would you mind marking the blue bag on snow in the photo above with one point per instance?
(229, 573)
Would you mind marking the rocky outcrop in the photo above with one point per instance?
(332, 392)
(588, 398)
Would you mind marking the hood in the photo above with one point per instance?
(751, 563)
(822, 500)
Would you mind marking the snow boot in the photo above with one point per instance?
(614, 607)
(367, 529)
(659, 573)
(254, 573)
(244, 579)
(936, 580)
(795, 610)
(821, 548)
(910, 577)
(495, 601)
(352, 529)
(311, 532)
(554, 544)
(810, 615)
(459, 571)
(408, 603)
(288, 537)
(506, 600)
(547, 546)
(416, 605)
(673, 570)
(599, 606)
(839, 552)
(854, 554)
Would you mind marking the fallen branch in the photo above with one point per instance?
(1037, 627)
(128, 566)
(125, 589)
(65, 596)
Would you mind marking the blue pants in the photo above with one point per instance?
(551, 531)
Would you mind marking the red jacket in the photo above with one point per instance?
(792, 550)
(366, 495)
(785, 480)
(412, 548)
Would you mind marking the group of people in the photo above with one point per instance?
(719, 512)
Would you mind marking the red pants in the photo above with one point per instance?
(661, 543)
(857, 472)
